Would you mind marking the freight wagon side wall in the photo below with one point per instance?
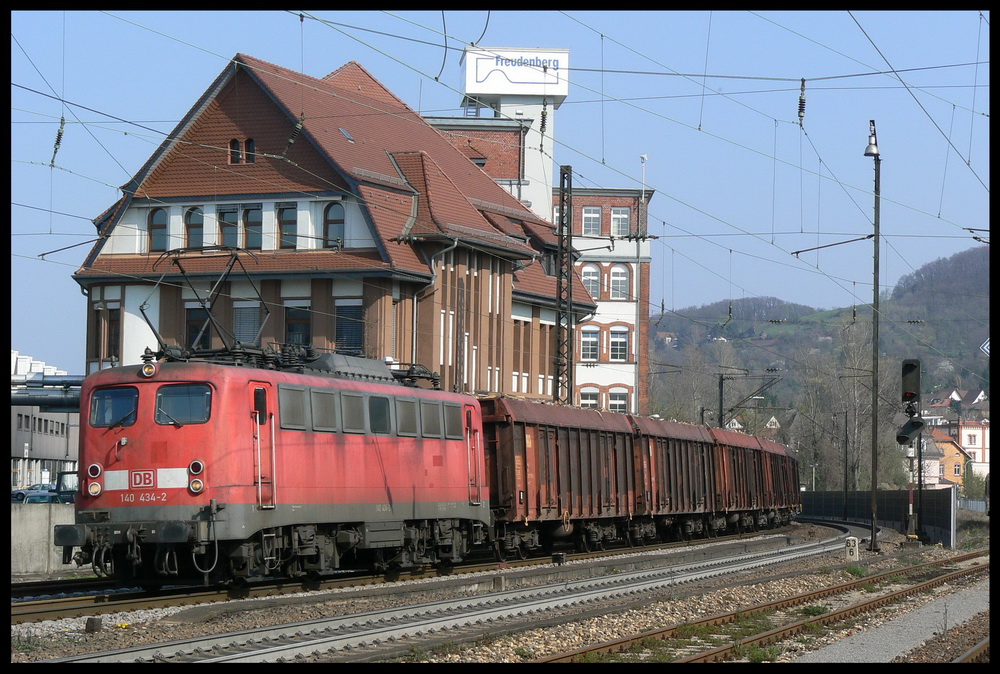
(551, 463)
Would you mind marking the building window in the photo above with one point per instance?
(958, 470)
(228, 227)
(589, 344)
(198, 331)
(971, 440)
(619, 344)
(589, 397)
(349, 329)
(619, 283)
(287, 225)
(592, 280)
(246, 323)
(194, 228)
(941, 470)
(107, 331)
(620, 221)
(253, 227)
(235, 152)
(157, 230)
(591, 220)
(251, 151)
(618, 401)
(298, 328)
(333, 226)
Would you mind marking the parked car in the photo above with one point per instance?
(43, 497)
(17, 495)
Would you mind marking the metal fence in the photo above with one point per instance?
(938, 508)
(975, 505)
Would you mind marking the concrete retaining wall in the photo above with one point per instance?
(31, 547)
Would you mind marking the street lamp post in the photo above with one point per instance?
(872, 151)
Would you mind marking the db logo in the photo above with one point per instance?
(141, 478)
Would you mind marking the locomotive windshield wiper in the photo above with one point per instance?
(170, 418)
(121, 422)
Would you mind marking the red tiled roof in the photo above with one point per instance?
(354, 135)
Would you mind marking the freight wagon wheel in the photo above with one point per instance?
(522, 553)
(499, 552)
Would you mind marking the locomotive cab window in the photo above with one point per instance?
(182, 404)
(112, 407)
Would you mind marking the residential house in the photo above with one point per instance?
(945, 461)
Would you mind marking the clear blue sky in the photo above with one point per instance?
(711, 98)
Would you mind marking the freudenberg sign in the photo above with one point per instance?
(528, 72)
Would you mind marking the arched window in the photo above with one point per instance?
(589, 343)
(591, 277)
(333, 226)
(619, 282)
(618, 400)
(251, 151)
(618, 347)
(235, 152)
(194, 228)
(157, 230)
(590, 397)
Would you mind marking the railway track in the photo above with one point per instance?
(341, 637)
(748, 632)
(94, 597)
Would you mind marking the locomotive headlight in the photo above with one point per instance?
(94, 470)
(196, 485)
(196, 467)
(94, 488)
(147, 370)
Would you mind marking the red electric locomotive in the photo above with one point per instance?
(195, 469)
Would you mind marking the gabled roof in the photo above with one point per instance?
(342, 133)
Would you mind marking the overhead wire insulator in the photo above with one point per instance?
(59, 135)
(802, 101)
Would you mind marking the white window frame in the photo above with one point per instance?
(620, 282)
(621, 221)
(618, 342)
(590, 340)
(591, 217)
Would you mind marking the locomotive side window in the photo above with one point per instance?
(406, 417)
(325, 411)
(430, 419)
(292, 407)
(378, 415)
(112, 407)
(354, 412)
(182, 404)
(453, 422)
